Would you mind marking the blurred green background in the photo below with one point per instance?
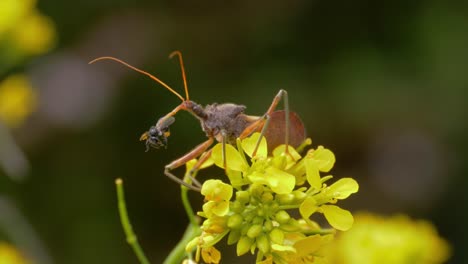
(383, 84)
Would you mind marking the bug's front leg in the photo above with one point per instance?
(197, 151)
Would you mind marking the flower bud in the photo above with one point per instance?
(263, 244)
(243, 197)
(286, 198)
(299, 196)
(267, 197)
(277, 236)
(282, 217)
(235, 221)
(233, 237)
(254, 231)
(268, 225)
(244, 244)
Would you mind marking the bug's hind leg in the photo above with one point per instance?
(265, 120)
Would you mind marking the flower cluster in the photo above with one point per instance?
(17, 100)
(395, 239)
(10, 255)
(24, 31)
(267, 206)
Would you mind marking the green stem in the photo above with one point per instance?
(193, 230)
(127, 226)
(187, 206)
(178, 253)
(288, 207)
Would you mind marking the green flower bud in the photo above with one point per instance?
(254, 231)
(237, 207)
(282, 217)
(263, 244)
(277, 236)
(267, 197)
(299, 196)
(258, 220)
(268, 225)
(235, 221)
(244, 244)
(286, 198)
(233, 237)
(291, 226)
(243, 197)
(256, 190)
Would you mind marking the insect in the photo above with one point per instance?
(221, 122)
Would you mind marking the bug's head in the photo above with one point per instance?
(156, 136)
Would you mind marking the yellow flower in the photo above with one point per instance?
(396, 239)
(17, 100)
(34, 34)
(261, 219)
(211, 255)
(10, 255)
(12, 11)
(217, 194)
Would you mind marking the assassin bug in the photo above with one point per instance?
(221, 122)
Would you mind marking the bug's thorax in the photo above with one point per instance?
(220, 120)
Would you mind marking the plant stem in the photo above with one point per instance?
(177, 254)
(187, 206)
(127, 226)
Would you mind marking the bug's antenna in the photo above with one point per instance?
(181, 61)
(142, 72)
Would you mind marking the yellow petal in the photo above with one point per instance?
(234, 160)
(324, 157)
(313, 175)
(248, 145)
(216, 190)
(308, 245)
(343, 188)
(308, 207)
(338, 218)
(211, 255)
(279, 181)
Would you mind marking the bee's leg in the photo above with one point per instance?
(197, 151)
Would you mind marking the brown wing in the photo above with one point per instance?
(277, 127)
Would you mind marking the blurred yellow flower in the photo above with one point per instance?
(34, 34)
(397, 239)
(12, 11)
(10, 255)
(17, 100)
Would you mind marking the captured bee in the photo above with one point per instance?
(157, 135)
(221, 122)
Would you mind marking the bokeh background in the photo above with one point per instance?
(383, 84)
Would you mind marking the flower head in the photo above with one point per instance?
(395, 239)
(268, 188)
(17, 100)
(10, 255)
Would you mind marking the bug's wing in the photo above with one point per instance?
(275, 133)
